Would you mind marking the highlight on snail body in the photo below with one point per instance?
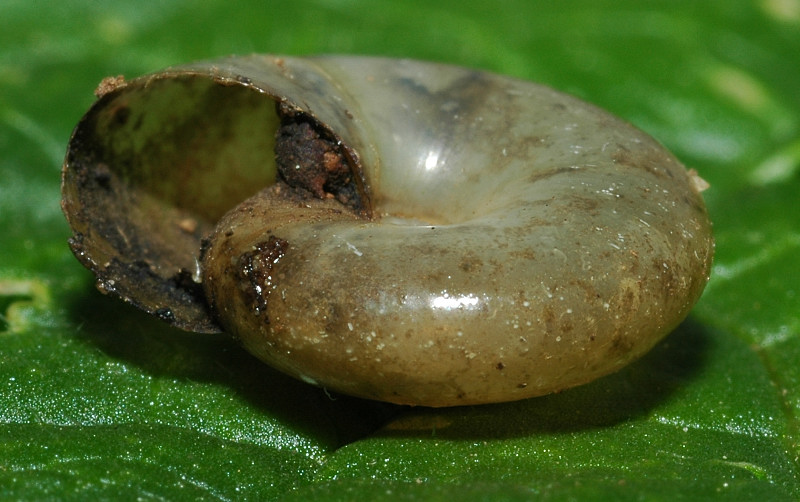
(396, 230)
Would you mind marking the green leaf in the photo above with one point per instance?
(99, 401)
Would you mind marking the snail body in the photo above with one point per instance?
(471, 238)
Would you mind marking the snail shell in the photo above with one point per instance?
(449, 237)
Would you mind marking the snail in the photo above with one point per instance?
(396, 230)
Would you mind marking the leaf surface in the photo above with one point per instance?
(97, 400)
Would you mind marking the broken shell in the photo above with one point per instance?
(456, 237)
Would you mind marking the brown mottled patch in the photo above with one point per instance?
(590, 293)
(620, 345)
(525, 254)
(549, 318)
(254, 269)
(548, 173)
(584, 204)
(651, 160)
(470, 263)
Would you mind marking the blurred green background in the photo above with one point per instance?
(99, 401)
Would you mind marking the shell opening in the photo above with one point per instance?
(155, 164)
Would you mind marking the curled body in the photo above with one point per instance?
(461, 237)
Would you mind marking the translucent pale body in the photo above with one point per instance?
(524, 242)
(519, 241)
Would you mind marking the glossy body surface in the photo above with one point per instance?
(513, 241)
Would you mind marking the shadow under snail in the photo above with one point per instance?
(391, 229)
